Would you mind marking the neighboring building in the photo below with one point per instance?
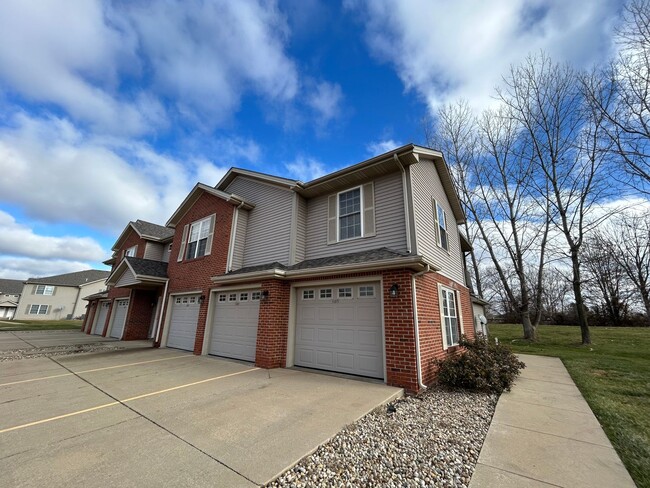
(59, 297)
(361, 271)
(10, 291)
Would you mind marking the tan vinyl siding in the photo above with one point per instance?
(426, 185)
(389, 222)
(240, 239)
(269, 224)
(301, 229)
(61, 304)
(153, 251)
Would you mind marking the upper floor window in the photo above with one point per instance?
(442, 236)
(351, 214)
(44, 290)
(197, 239)
(131, 251)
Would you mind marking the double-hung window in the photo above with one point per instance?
(130, 252)
(449, 313)
(442, 236)
(350, 214)
(44, 290)
(197, 239)
(38, 309)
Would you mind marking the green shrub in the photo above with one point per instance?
(483, 366)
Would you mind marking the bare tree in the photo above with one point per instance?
(494, 177)
(565, 142)
(621, 93)
(631, 247)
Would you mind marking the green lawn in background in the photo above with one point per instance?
(613, 374)
(16, 325)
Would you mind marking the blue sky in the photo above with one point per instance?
(112, 111)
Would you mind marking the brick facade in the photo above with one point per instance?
(194, 274)
(273, 325)
(142, 307)
(90, 316)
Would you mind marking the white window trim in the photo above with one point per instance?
(46, 288)
(38, 310)
(200, 223)
(374, 292)
(338, 214)
(459, 317)
(326, 298)
(338, 292)
(313, 297)
(436, 222)
(130, 252)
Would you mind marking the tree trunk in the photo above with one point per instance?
(530, 331)
(580, 303)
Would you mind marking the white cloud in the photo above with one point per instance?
(305, 168)
(448, 50)
(60, 174)
(326, 100)
(19, 240)
(24, 268)
(379, 147)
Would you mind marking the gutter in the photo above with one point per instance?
(410, 261)
(418, 358)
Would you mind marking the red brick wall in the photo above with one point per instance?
(90, 316)
(195, 274)
(141, 308)
(273, 325)
(429, 320)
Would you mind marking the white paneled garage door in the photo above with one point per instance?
(338, 328)
(100, 319)
(234, 328)
(119, 317)
(183, 322)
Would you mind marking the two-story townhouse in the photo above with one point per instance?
(131, 306)
(360, 271)
(59, 297)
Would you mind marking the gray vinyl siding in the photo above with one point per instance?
(426, 185)
(268, 232)
(154, 251)
(240, 239)
(301, 229)
(389, 222)
(126, 279)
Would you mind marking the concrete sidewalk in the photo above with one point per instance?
(544, 434)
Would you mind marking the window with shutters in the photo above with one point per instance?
(44, 290)
(351, 214)
(197, 239)
(38, 309)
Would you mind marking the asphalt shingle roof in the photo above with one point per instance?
(153, 230)
(148, 267)
(11, 287)
(380, 254)
(72, 279)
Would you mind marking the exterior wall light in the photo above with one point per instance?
(201, 299)
(265, 294)
(394, 291)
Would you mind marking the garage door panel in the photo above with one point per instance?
(340, 334)
(234, 326)
(119, 318)
(183, 322)
(100, 321)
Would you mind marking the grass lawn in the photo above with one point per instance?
(613, 375)
(40, 325)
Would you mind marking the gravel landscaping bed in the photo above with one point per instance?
(430, 440)
(37, 352)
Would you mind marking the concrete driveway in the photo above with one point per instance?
(152, 417)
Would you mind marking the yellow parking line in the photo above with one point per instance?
(92, 370)
(111, 404)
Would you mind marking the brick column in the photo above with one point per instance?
(138, 320)
(90, 316)
(399, 330)
(273, 325)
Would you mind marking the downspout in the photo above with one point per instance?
(162, 312)
(407, 214)
(418, 359)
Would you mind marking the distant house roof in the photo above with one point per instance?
(11, 287)
(77, 278)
